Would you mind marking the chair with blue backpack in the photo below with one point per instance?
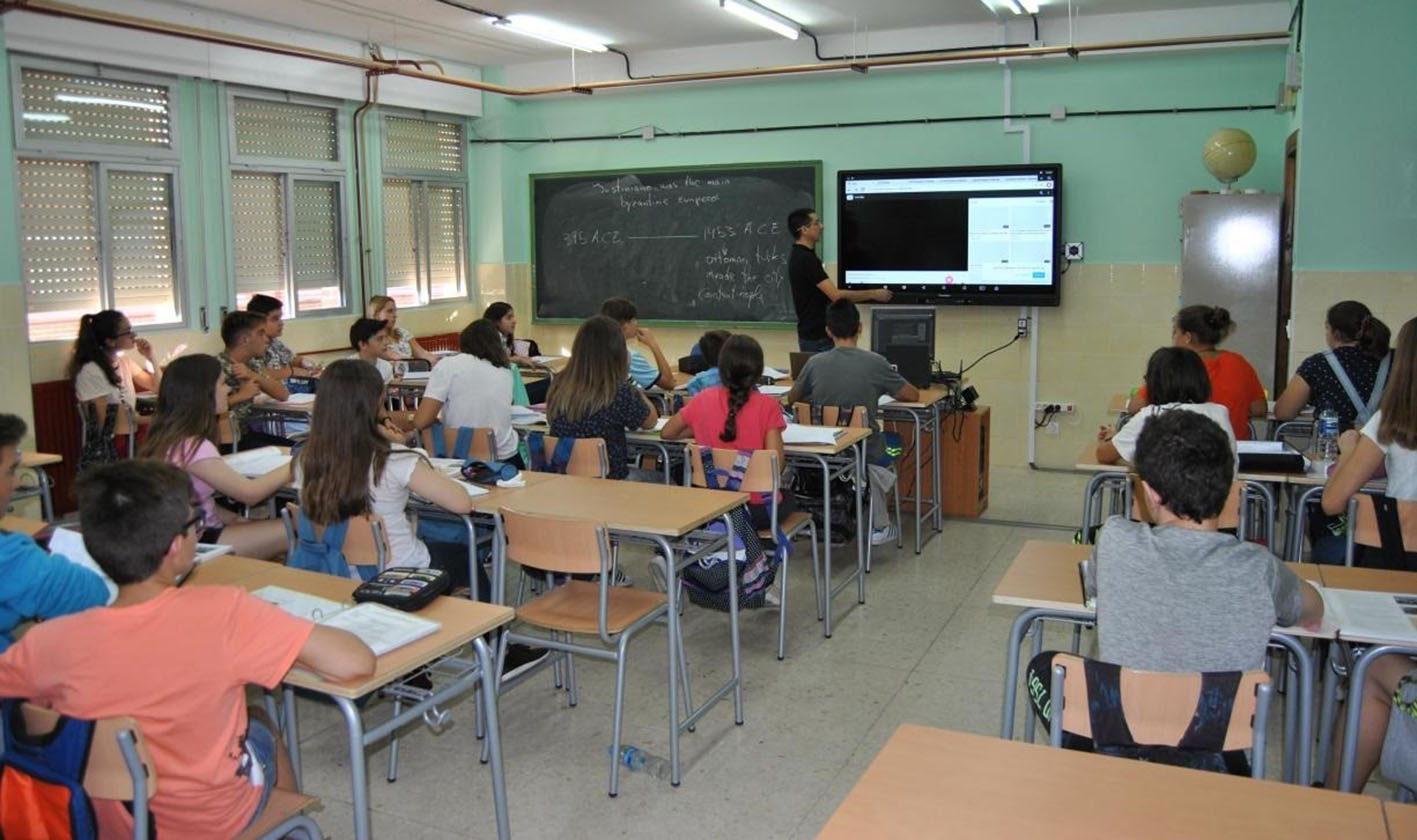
(461, 442)
(586, 457)
(758, 473)
(56, 765)
(356, 548)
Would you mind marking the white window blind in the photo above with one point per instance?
(92, 111)
(258, 235)
(445, 242)
(139, 209)
(401, 252)
(316, 249)
(414, 145)
(59, 245)
(266, 128)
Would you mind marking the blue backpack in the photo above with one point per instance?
(325, 553)
(42, 779)
(461, 444)
(560, 456)
(706, 582)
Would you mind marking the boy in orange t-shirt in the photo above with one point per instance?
(176, 660)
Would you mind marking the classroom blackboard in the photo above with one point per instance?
(700, 244)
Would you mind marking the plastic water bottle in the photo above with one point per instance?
(1326, 432)
(640, 761)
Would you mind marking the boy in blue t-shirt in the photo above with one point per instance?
(34, 584)
(709, 345)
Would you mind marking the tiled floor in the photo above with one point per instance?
(926, 648)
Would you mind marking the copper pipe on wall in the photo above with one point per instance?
(399, 68)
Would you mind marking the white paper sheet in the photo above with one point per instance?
(382, 628)
(256, 462)
(774, 373)
(1371, 616)
(523, 416)
(803, 434)
(774, 390)
(661, 423)
(299, 604)
(472, 489)
(542, 360)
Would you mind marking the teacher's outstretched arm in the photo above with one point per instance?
(834, 294)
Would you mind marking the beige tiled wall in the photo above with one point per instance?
(1392, 296)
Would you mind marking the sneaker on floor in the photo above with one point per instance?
(771, 598)
(881, 536)
(659, 573)
(619, 578)
(519, 658)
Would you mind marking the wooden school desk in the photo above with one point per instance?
(36, 462)
(1043, 581)
(662, 517)
(924, 419)
(21, 525)
(462, 621)
(1401, 820)
(930, 782)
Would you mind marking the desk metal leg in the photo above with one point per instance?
(1303, 686)
(1300, 516)
(937, 467)
(1326, 709)
(291, 729)
(46, 500)
(915, 432)
(493, 742)
(358, 772)
(1021, 626)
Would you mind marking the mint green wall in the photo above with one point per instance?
(1357, 203)
(9, 211)
(1123, 176)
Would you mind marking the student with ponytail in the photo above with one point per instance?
(107, 377)
(1233, 381)
(734, 415)
(1349, 377)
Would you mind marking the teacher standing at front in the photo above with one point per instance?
(812, 289)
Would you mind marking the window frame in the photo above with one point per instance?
(290, 170)
(420, 180)
(64, 150)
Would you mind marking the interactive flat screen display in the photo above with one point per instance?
(971, 235)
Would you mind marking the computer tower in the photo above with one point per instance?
(906, 337)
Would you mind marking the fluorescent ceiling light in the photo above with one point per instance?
(546, 30)
(31, 116)
(766, 18)
(79, 99)
(1030, 6)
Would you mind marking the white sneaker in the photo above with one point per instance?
(881, 536)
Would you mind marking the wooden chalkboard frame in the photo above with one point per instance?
(705, 167)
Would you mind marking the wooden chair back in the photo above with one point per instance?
(831, 415)
(589, 457)
(482, 446)
(1159, 705)
(556, 544)
(1143, 512)
(760, 476)
(106, 776)
(1365, 523)
(366, 543)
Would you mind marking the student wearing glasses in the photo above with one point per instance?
(812, 287)
(107, 378)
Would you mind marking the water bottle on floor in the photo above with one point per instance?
(640, 761)
(1326, 432)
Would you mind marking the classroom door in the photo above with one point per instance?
(1230, 258)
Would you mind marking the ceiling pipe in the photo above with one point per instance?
(211, 36)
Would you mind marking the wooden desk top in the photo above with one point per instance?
(20, 525)
(1401, 820)
(227, 570)
(849, 437)
(660, 509)
(462, 620)
(936, 783)
(1045, 575)
(928, 397)
(1087, 462)
(1374, 580)
(30, 460)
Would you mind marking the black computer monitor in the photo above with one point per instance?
(906, 337)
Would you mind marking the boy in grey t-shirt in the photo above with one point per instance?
(846, 375)
(1180, 595)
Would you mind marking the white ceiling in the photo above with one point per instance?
(431, 28)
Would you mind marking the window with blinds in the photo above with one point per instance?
(422, 146)
(97, 228)
(425, 243)
(286, 213)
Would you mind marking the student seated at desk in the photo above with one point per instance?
(177, 660)
(1179, 595)
(370, 341)
(1175, 379)
(474, 390)
(595, 398)
(33, 583)
(710, 343)
(401, 343)
(646, 375)
(520, 351)
(107, 379)
(734, 415)
(848, 376)
(1233, 382)
(1348, 378)
(184, 432)
(243, 367)
(281, 362)
(1388, 441)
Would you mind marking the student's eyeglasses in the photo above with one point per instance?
(193, 525)
(125, 334)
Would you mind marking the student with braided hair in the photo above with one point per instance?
(734, 415)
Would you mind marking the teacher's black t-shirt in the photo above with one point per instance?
(804, 272)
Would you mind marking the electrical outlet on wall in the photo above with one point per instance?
(1055, 407)
(1053, 428)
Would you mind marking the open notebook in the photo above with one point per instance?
(802, 434)
(69, 543)
(1378, 617)
(381, 628)
(256, 462)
